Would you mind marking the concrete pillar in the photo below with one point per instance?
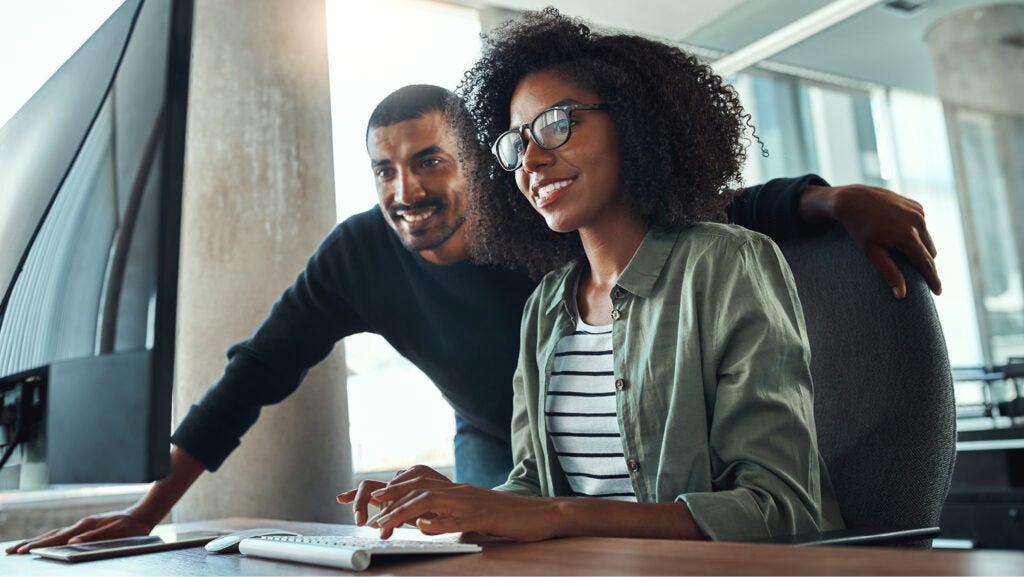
(259, 196)
(977, 54)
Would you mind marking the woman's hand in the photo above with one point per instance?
(444, 507)
(92, 528)
(435, 505)
(363, 496)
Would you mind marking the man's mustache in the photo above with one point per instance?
(434, 203)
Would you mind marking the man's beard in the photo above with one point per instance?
(443, 232)
(446, 234)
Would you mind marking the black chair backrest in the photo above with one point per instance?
(883, 387)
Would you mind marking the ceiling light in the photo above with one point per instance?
(904, 7)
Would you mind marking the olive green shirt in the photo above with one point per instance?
(713, 383)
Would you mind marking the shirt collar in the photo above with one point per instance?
(567, 276)
(647, 263)
(638, 278)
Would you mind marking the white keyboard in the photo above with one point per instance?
(352, 553)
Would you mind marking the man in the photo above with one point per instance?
(403, 272)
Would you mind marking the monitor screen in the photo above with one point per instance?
(90, 205)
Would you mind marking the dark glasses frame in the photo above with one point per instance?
(568, 109)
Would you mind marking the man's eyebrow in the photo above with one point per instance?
(428, 151)
(433, 149)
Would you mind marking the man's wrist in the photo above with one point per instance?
(145, 515)
(820, 204)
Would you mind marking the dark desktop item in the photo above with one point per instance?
(90, 208)
(126, 546)
(985, 506)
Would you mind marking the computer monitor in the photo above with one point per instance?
(90, 207)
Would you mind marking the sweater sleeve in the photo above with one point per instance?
(773, 208)
(301, 329)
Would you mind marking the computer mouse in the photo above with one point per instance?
(229, 543)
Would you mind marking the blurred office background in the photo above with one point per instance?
(919, 96)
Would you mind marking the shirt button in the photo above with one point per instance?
(620, 385)
(633, 465)
(618, 293)
(616, 315)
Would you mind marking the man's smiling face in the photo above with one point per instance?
(420, 185)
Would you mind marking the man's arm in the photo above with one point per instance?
(877, 219)
(300, 330)
(139, 519)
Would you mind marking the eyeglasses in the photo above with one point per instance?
(549, 130)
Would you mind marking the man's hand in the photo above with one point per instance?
(137, 520)
(879, 221)
(93, 528)
(364, 496)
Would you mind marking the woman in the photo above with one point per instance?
(663, 387)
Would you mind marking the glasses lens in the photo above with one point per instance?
(551, 128)
(508, 149)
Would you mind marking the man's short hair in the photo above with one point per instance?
(411, 102)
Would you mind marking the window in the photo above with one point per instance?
(38, 37)
(988, 200)
(895, 139)
(923, 170)
(426, 43)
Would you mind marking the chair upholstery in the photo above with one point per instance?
(883, 387)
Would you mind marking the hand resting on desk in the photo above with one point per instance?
(92, 528)
(137, 520)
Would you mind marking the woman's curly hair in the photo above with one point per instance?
(682, 133)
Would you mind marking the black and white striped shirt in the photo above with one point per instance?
(580, 412)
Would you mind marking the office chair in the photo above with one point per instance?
(883, 393)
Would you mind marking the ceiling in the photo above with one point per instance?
(880, 45)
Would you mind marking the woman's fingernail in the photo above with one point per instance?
(360, 518)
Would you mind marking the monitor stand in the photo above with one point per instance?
(22, 402)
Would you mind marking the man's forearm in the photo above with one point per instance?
(774, 208)
(165, 493)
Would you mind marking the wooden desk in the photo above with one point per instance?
(583, 556)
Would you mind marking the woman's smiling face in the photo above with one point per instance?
(577, 185)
